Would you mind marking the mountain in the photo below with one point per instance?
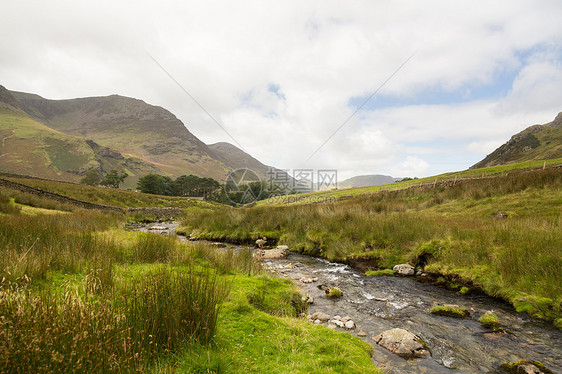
(538, 142)
(130, 127)
(235, 158)
(29, 147)
(69, 137)
(366, 181)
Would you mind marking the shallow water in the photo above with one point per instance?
(380, 303)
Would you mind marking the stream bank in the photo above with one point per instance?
(381, 303)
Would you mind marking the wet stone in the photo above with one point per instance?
(402, 342)
(321, 316)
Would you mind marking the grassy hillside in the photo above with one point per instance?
(97, 299)
(30, 147)
(130, 126)
(445, 230)
(111, 196)
(366, 181)
(538, 142)
(452, 177)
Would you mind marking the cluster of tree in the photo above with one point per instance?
(250, 192)
(186, 185)
(407, 179)
(208, 188)
(191, 186)
(112, 179)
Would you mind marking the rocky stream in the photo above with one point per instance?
(380, 303)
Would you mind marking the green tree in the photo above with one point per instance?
(155, 184)
(113, 179)
(91, 178)
(192, 185)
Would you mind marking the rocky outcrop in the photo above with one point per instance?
(404, 269)
(403, 343)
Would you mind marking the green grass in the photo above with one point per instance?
(453, 177)
(490, 320)
(252, 341)
(109, 196)
(386, 272)
(512, 367)
(77, 294)
(334, 293)
(450, 310)
(444, 230)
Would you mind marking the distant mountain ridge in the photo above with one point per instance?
(137, 137)
(366, 181)
(537, 142)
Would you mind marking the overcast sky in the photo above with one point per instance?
(282, 76)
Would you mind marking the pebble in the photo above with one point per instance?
(350, 325)
(338, 323)
(362, 334)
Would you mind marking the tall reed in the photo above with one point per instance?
(167, 309)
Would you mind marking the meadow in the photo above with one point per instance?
(446, 230)
(79, 294)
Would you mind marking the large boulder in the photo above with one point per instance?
(323, 317)
(403, 343)
(277, 252)
(404, 269)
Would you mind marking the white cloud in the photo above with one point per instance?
(481, 147)
(411, 167)
(536, 88)
(320, 54)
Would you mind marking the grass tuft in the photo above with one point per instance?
(372, 273)
(450, 310)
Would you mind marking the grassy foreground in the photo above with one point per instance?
(79, 295)
(445, 230)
